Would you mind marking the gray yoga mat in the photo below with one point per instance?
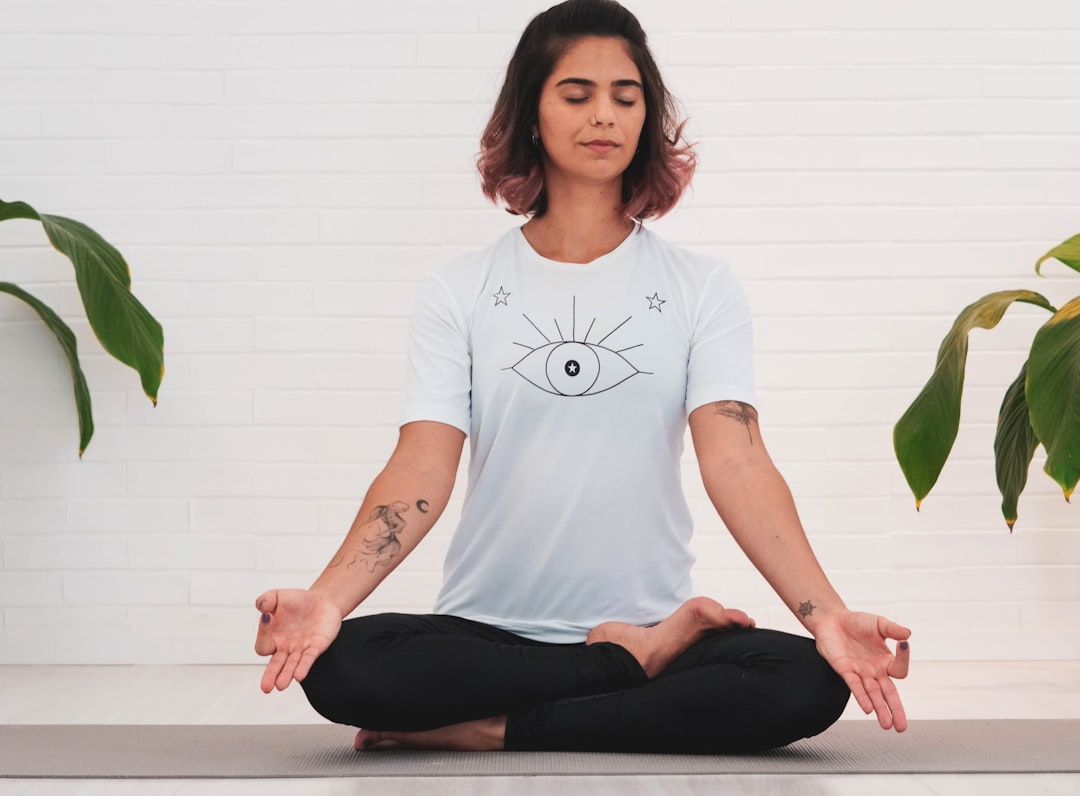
(282, 751)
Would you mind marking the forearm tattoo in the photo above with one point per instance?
(380, 543)
(740, 413)
(806, 608)
(386, 524)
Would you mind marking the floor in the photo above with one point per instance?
(230, 694)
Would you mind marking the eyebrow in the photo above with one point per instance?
(580, 81)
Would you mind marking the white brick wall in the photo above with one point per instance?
(281, 174)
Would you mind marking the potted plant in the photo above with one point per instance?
(1041, 406)
(124, 327)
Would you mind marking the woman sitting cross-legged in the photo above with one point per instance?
(573, 352)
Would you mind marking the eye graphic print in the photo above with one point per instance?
(574, 367)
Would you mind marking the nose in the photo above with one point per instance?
(604, 114)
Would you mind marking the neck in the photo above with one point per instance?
(582, 223)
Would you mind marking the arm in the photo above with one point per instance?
(401, 506)
(756, 505)
(404, 502)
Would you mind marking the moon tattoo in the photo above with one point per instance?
(422, 506)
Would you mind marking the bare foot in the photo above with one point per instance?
(657, 646)
(482, 735)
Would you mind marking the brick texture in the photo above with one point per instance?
(281, 174)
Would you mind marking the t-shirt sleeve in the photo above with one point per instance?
(439, 385)
(721, 364)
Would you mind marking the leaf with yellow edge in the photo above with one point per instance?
(1014, 446)
(924, 435)
(1053, 394)
(1067, 253)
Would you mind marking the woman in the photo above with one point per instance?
(574, 351)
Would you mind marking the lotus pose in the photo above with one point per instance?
(573, 352)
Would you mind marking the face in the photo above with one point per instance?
(592, 109)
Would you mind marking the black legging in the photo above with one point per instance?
(735, 690)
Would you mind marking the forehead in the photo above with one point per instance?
(597, 58)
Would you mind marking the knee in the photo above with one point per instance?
(359, 693)
(325, 684)
(366, 677)
(823, 697)
(805, 696)
(351, 682)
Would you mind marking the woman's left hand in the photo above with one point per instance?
(854, 645)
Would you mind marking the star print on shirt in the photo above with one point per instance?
(655, 301)
(501, 297)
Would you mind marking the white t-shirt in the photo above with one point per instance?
(574, 383)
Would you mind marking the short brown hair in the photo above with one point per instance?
(510, 162)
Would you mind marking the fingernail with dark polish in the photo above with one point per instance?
(903, 644)
(266, 619)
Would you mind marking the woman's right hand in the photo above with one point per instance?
(296, 626)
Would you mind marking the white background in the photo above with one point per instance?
(280, 175)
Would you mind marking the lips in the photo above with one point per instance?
(601, 145)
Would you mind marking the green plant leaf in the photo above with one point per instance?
(924, 435)
(1014, 447)
(17, 210)
(122, 324)
(1053, 394)
(1067, 252)
(66, 338)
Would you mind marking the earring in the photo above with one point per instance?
(535, 140)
